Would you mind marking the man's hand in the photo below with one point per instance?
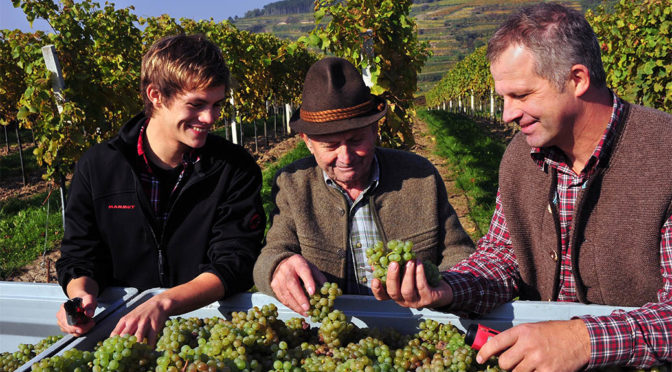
(412, 290)
(89, 304)
(546, 346)
(85, 288)
(145, 321)
(287, 279)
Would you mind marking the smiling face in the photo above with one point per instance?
(545, 115)
(183, 122)
(346, 157)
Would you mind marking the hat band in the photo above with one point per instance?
(336, 114)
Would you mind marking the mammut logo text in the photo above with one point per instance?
(120, 206)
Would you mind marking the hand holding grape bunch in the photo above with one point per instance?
(380, 258)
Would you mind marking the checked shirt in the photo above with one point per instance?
(151, 182)
(636, 338)
(363, 234)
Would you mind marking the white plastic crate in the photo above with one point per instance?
(364, 311)
(28, 314)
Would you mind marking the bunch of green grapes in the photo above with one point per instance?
(380, 258)
(123, 353)
(335, 329)
(387, 335)
(286, 358)
(12, 361)
(322, 302)
(257, 325)
(295, 331)
(180, 331)
(45, 343)
(370, 352)
(71, 360)
(8, 362)
(411, 356)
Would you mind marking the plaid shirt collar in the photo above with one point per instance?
(188, 158)
(555, 158)
(150, 181)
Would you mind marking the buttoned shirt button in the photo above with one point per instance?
(363, 280)
(554, 255)
(358, 245)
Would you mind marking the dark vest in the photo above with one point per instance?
(615, 231)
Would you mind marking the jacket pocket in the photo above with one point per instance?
(328, 258)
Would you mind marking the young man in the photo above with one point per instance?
(165, 203)
(332, 206)
(584, 210)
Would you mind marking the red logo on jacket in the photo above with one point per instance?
(120, 206)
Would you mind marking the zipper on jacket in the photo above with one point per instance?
(173, 199)
(162, 274)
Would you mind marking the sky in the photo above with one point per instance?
(13, 18)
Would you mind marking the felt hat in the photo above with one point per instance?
(335, 99)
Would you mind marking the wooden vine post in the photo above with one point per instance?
(57, 85)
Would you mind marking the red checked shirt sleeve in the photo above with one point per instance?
(489, 276)
(642, 337)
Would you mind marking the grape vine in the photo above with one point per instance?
(100, 49)
(636, 53)
(380, 35)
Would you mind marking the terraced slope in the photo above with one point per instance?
(453, 28)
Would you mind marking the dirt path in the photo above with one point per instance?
(424, 145)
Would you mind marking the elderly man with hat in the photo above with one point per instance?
(332, 206)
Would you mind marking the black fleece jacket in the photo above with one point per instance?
(215, 223)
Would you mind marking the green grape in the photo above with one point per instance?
(432, 273)
(380, 257)
(109, 355)
(322, 302)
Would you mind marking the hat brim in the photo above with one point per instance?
(337, 126)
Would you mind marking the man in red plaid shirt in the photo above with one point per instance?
(583, 212)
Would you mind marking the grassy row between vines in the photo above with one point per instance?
(474, 158)
(28, 228)
(268, 174)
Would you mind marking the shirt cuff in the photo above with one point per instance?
(612, 340)
(463, 292)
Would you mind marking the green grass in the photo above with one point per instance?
(23, 227)
(10, 165)
(268, 174)
(474, 157)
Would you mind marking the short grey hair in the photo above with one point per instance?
(558, 37)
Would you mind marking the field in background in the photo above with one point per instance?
(453, 28)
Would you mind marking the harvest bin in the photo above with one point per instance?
(365, 311)
(28, 314)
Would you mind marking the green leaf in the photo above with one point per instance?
(22, 114)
